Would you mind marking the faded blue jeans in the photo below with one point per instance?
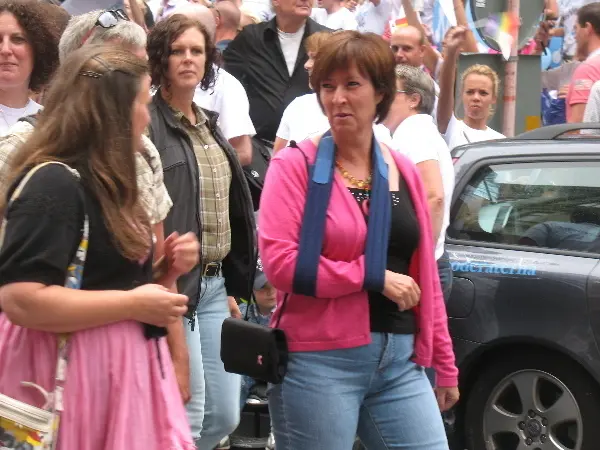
(375, 391)
(214, 410)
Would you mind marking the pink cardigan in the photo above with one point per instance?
(339, 316)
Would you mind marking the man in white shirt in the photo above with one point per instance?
(268, 59)
(408, 44)
(337, 17)
(227, 97)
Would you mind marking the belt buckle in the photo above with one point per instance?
(210, 266)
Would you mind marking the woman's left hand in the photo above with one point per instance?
(182, 252)
(446, 397)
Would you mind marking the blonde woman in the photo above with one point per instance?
(480, 85)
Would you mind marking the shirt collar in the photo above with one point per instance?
(593, 54)
(201, 118)
(272, 26)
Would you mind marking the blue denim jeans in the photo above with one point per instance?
(214, 410)
(375, 391)
(247, 385)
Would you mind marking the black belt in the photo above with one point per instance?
(211, 270)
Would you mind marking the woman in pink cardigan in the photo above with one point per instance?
(346, 239)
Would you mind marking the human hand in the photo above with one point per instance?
(234, 309)
(402, 290)
(156, 305)
(563, 91)
(351, 5)
(182, 252)
(455, 39)
(446, 397)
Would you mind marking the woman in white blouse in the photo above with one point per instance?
(479, 94)
(28, 58)
(303, 118)
(409, 129)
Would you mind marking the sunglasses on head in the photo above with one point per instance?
(111, 18)
(107, 19)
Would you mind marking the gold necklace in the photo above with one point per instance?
(360, 184)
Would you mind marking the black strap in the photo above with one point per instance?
(31, 120)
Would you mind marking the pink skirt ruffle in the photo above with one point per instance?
(115, 398)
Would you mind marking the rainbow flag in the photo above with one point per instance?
(504, 29)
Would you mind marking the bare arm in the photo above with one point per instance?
(61, 310)
(137, 13)
(176, 333)
(243, 148)
(552, 9)
(447, 79)
(577, 112)
(434, 187)
(470, 45)
(279, 144)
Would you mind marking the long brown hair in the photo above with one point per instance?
(86, 124)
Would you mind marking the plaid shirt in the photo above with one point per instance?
(215, 181)
(152, 191)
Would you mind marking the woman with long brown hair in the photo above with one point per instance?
(120, 391)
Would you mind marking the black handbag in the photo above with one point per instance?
(254, 350)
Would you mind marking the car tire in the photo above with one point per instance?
(555, 372)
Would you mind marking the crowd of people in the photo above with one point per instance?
(130, 141)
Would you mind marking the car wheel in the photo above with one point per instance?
(533, 400)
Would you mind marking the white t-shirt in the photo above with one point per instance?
(342, 19)
(261, 8)
(227, 98)
(302, 119)
(418, 138)
(290, 44)
(371, 18)
(458, 133)
(10, 116)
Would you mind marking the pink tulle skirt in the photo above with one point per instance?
(116, 397)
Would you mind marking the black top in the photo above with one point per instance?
(255, 58)
(404, 240)
(44, 231)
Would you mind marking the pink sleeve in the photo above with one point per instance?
(280, 217)
(443, 361)
(581, 84)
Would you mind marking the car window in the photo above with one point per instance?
(552, 205)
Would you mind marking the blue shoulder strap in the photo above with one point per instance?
(380, 224)
(320, 182)
(313, 222)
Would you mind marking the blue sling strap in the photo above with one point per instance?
(320, 182)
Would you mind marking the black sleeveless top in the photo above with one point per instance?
(404, 240)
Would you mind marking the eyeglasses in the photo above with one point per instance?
(107, 19)
(398, 91)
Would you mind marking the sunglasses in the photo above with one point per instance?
(111, 18)
(107, 19)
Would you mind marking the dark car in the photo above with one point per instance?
(524, 314)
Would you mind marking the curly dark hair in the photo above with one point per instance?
(162, 36)
(41, 31)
